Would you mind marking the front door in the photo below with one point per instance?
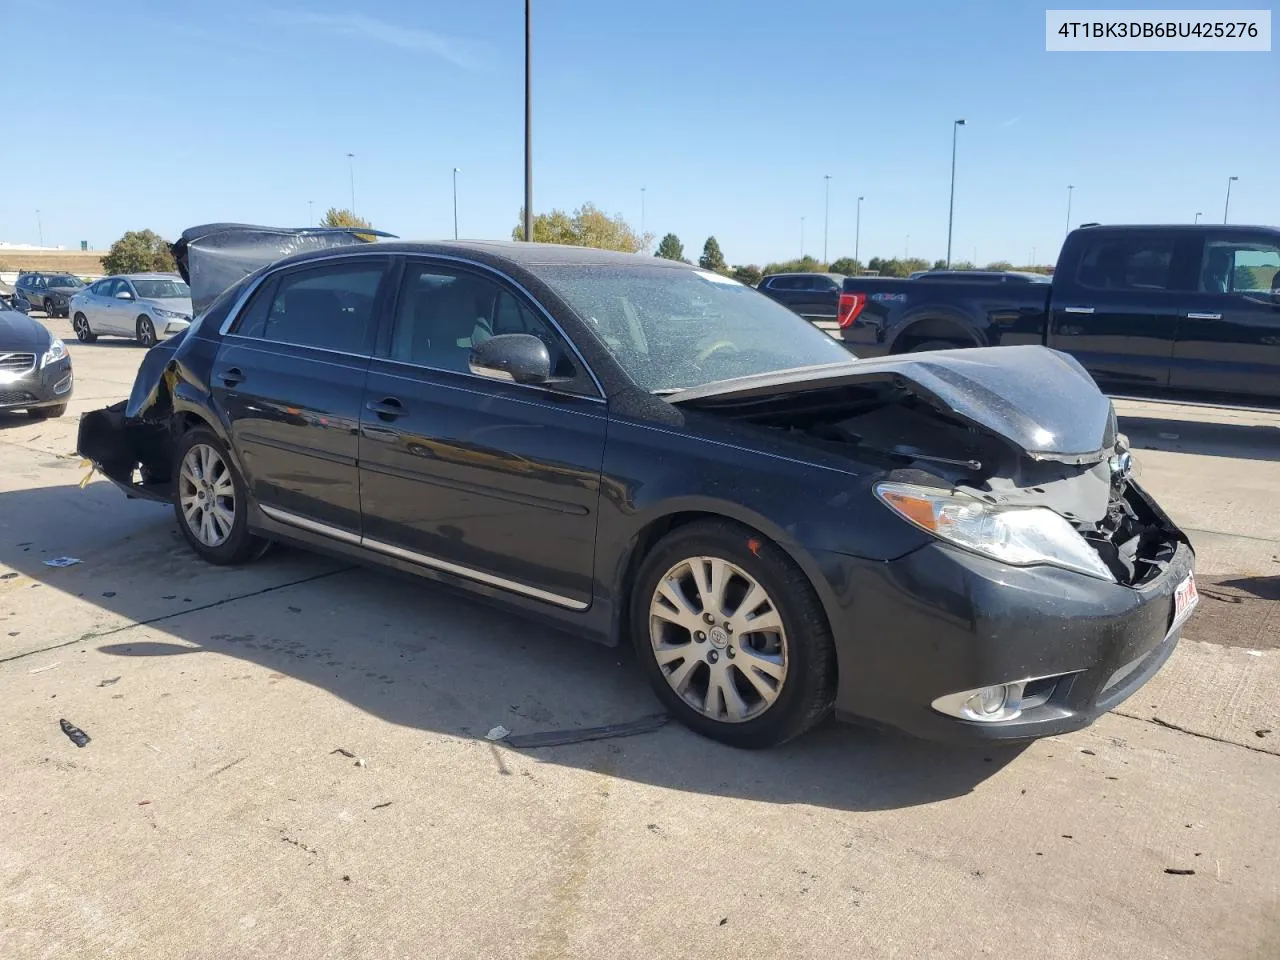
(289, 382)
(108, 311)
(1119, 314)
(493, 481)
(1229, 336)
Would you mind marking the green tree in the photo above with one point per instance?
(670, 248)
(846, 265)
(749, 274)
(805, 264)
(939, 265)
(139, 251)
(341, 217)
(712, 258)
(963, 265)
(888, 268)
(999, 265)
(587, 227)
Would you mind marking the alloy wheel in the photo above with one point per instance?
(718, 639)
(207, 494)
(81, 327)
(146, 332)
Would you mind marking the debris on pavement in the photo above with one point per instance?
(497, 733)
(47, 666)
(1262, 733)
(62, 562)
(109, 681)
(76, 735)
(1179, 872)
(143, 803)
(7, 576)
(360, 762)
(346, 753)
(379, 806)
(557, 738)
(299, 844)
(151, 746)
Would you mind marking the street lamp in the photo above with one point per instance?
(857, 234)
(826, 216)
(643, 235)
(1198, 216)
(1070, 188)
(1227, 206)
(40, 228)
(802, 238)
(951, 211)
(456, 171)
(528, 121)
(311, 217)
(351, 160)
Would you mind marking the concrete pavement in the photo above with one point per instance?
(211, 817)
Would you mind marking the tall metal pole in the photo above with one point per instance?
(951, 210)
(802, 238)
(40, 228)
(826, 216)
(857, 234)
(1070, 189)
(1198, 216)
(643, 235)
(311, 217)
(351, 159)
(456, 171)
(528, 121)
(1226, 208)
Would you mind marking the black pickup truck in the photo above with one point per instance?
(1167, 311)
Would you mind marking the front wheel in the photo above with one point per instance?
(83, 332)
(146, 332)
(732, 636)
(210, 502)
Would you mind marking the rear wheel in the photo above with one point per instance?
(81, 326)
(732, 636)
(146, 331)
(210, 502)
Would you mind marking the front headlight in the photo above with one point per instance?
(170, 314)
(57, 350)
(1019, 536)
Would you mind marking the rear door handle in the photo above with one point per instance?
(231, 377)
(1077, 309)
(1204, 316)
(388, 408)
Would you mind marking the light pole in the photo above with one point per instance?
(1070, 189)
(40, 228)
(802, 238)
(906, 248)
(857, 234)
(456, 171)
(826, 215)
(528, 121)
(311, 217)
(1227, 206)
(951, 210)
(351, 161)
(1198, 216)
(644, 237)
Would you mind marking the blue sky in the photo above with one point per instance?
(166, 115)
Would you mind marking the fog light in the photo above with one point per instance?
(988, 701)
(1001, 701)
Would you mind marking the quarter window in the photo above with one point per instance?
(1127, 263)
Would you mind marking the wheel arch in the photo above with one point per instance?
(935, 324)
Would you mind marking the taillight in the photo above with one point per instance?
(851, 305)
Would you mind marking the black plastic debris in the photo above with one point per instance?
(1179, 872)
(109, 681)
(344, 752)
(76, 735)
(558, 738)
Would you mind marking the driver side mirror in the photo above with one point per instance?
(516, 357)
(124, 295)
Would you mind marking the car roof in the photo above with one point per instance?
(806, 273)
(144, 276)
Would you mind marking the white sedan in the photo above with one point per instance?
(148, 307)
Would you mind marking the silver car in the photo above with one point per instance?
(145, 306)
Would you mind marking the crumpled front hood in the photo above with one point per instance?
(1039, 399)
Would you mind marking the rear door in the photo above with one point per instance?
(495, 481)
(1118, 311)
(1229, 335)
(289, 383)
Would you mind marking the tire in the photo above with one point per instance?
(938, 345)
(146, 332)
(794, 667)
(47, 413)
(83, 332)
(201, 454)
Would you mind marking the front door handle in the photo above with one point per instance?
(1204, 316)
(1077, 309)
(231, 377)
(388, 408)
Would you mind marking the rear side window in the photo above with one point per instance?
(329, 307)
(1247, 267)
(784, 283)
(1127, 263)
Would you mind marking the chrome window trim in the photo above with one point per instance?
(482, 379)
(234, 313)
(422, 559)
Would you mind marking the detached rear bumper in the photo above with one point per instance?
(941, 620)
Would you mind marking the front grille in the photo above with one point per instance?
(12, 398)
(17, 362)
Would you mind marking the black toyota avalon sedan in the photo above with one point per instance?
(950, 544)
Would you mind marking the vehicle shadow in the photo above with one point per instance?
(418, 655)
(1235, 440)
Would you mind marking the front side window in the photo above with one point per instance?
(1126, 263)
(1245, 267)
(671, 328)
(329, 307)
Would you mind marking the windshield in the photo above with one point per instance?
(162, 290)
(65, 280)
(672, 329)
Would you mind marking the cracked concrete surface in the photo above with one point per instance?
(210, 815)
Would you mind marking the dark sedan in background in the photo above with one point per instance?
(35, 368)
(950, 544)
